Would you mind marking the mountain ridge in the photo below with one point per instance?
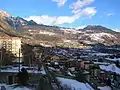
(6, 29)
(6, 15)
(91, 34)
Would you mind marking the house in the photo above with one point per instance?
(83, 64)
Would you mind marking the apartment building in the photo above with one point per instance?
(12, 44)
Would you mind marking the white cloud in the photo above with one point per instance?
(79, 4)
(79, 8)
(77, 11)
(44, 19)
(60, 2)
(81, 27)
(56, 20)
(89, 11)
(110, 14)
(117, 30)
(66, 19)
(50, 20)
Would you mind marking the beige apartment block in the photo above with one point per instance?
(12, 44)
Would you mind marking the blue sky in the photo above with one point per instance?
(68, 13)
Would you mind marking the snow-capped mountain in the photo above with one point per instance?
(53, 35)
(4, 14)
(99, 34)
(15, 22)
(88, 35)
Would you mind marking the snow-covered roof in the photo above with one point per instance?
(101, 54)
(48, 63)
(52, 68)
(115, 59)
(11, 87)
(69, 73)
(74, 85)
(102, 63)
(16, 70)
(105, 88)
(111, 68)
(86, 72)
(21, 88)
(56, 63)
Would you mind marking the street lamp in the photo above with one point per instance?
(0, 60)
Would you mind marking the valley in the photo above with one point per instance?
(58, 58)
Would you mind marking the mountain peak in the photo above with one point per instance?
(91, 27)
(4, 14)
(98, 28)
(95, 27)
(31, 22)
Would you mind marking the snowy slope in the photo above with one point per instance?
(88, 35)
(112, 68)
(73, 84)
(4, 14)
(105, 88)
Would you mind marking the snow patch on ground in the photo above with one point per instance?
(22, 88)
(111, 68)
(74, 85)
(11, 87)
(47, 33)
(115, 59)
(98, 36)
(105, 88)
(71, 30)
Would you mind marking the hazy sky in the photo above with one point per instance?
(68, 13)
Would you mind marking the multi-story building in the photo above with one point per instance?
(12, 44)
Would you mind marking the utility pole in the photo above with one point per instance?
(29, 61)
(19, 59)
(0, 60)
